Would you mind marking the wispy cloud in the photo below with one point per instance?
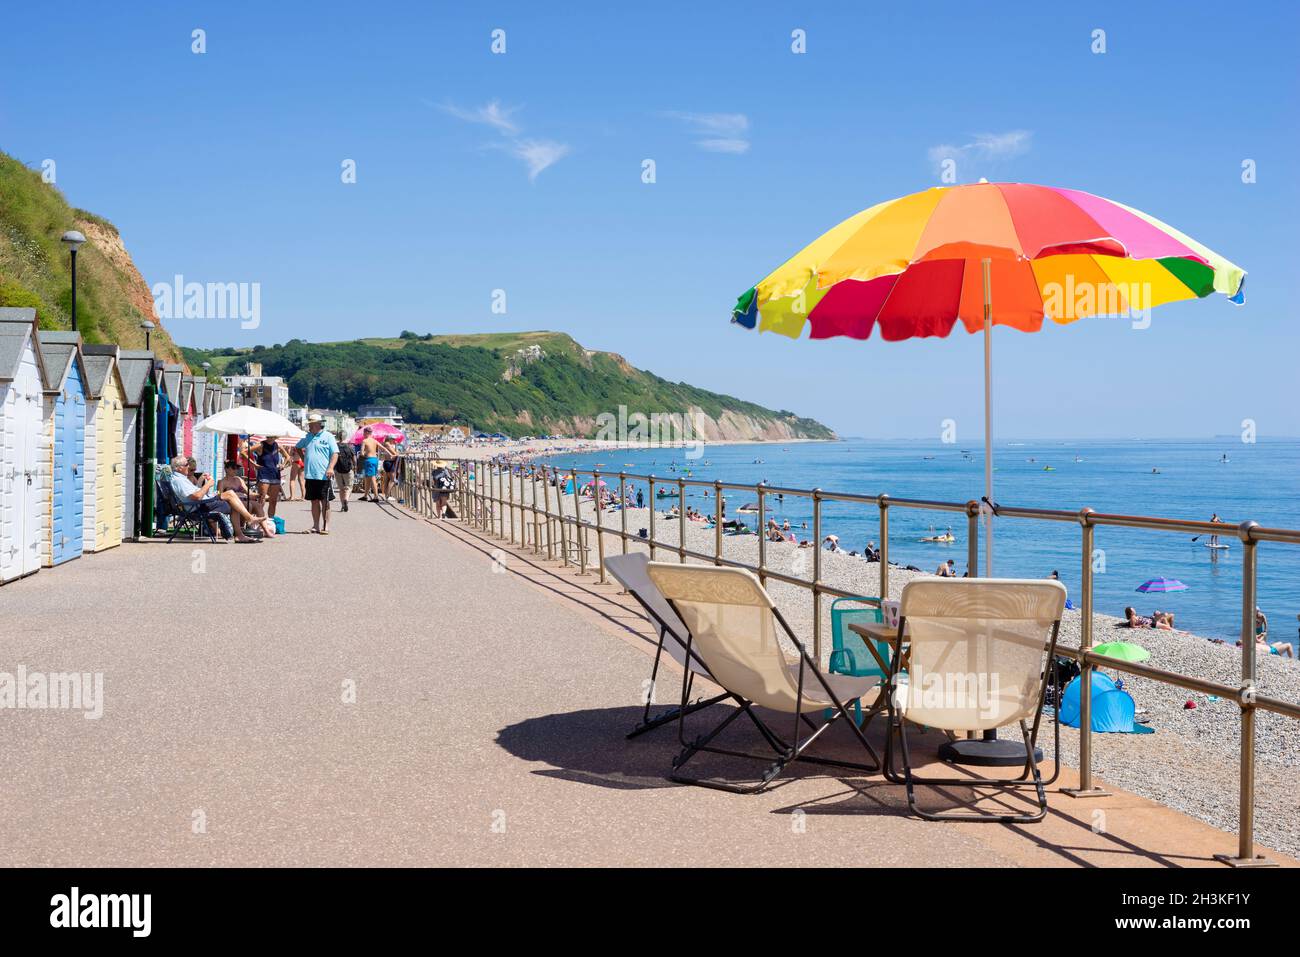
(536, 154)
(539, 154)
(716, 132)
(490, 114)
(984, 147)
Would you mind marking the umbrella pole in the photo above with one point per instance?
(987, 750)
(988, 423)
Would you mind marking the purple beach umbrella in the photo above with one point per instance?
(1162, 584)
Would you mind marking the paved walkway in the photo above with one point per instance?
(492, 692)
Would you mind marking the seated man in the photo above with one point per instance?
(210, 503)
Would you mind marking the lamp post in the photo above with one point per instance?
(206, 367)
(148, 327)
(73, 240)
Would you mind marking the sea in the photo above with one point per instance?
(1240, 481)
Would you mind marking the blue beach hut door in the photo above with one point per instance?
(68, 500)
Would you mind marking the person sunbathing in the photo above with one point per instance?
(1263, 645)
(1133, 620)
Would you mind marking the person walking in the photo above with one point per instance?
(343, 469)
(369, 465)
(320, 453)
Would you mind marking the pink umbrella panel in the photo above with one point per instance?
(381, 431)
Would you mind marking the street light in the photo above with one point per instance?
(73, 240)
(148, 327)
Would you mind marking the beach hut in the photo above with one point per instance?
(21, 478)
(171, 385)
(102, 515)
(64, 433)
(201, 441)
(187, 416)
(134, 366)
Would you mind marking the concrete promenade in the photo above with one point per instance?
(492, 693)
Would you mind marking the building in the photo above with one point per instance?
(380, 413)
(263, 391)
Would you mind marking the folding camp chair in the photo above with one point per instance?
(630, 572)
(731, 624)
(980, 650)
(187, 515)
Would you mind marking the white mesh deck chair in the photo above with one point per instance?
(980, 655)
(732, 624)
(630, 572)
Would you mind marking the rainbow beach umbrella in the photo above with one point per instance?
(983, 254)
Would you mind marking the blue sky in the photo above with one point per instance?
(225, 167)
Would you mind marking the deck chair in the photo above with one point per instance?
(186, 515)
(630, 572)
(979, 660)
(732, 624)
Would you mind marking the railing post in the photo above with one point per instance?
(537, 518)
(883, 500)
(622, 509)
(817, 576)
(1246, 856)
(681, 520)
(1086, 788)
(579, 533)
(501, 501)
(651, 497)
(972, 539)
(600, 531)
(510, 480)
(719, 517)
(550, 524)
(762, 534)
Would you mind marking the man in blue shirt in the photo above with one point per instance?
(320, 454)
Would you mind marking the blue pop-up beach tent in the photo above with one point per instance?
(1112, 708)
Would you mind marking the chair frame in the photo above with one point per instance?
(192, 517)
(898, 725)
(678, 711)
(784, 754)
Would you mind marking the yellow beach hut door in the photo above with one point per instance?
(109, 464)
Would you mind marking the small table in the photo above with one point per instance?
(881, 632)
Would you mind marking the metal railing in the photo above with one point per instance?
(486, 499)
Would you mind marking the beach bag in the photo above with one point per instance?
(279, 524)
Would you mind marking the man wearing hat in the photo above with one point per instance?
(320, 454)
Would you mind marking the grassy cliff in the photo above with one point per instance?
(518, 383)
(112, 297)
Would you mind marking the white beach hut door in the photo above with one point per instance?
(29, 490)
(20, 422)
(10, 453)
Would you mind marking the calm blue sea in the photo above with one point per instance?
(1260, 481)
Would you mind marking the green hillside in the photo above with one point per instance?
(112, 297)
(484, 381)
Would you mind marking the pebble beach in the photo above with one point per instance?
(1191, 761)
